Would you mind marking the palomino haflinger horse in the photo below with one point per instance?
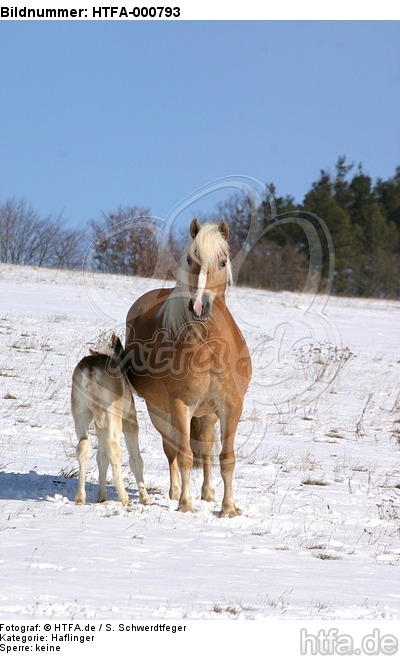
(189, 361)
(101, 393)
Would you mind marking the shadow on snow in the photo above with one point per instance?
(43, 487)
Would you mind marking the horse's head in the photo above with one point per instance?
(206, 267)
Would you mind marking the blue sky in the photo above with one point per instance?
(100, 114)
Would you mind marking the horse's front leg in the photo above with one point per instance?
(180, 419)
(174, 477)
(162, 423)
(229, 421)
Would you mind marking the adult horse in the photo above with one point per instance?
(190, 362)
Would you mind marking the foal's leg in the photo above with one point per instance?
(102, 461)
(110, 452)
(229, 421)
(82, 422)
(131, 431)
(114, 454)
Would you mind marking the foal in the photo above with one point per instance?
(101, 393)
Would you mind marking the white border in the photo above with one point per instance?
(217, 10)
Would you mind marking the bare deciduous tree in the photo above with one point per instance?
(26, 238)
(124, 242)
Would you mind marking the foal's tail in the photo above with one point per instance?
(122, 359)
(111, 347)
(118, 351)
(114, 350)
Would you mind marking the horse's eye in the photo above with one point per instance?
(222, 264)
(189, 260)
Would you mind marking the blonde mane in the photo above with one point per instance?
(205, 249)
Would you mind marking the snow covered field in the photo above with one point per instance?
(317, 474)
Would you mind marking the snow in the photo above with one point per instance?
(317, 474)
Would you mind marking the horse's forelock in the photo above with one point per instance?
(208, 246)
(206, 249)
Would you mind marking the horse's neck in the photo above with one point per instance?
(177, 320)
(174, 313)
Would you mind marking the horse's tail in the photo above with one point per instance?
(196, 442)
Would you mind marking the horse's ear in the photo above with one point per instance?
(195, 227)
(224, 229)
(113, 339)
(92, 352)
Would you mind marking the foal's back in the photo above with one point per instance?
(100, 389)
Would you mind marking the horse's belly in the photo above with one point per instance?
(207, 408)
(195, 393)
(153, 391)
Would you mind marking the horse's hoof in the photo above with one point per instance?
(144, 499)
(79, 501)
(230, 511)
(185, 506)
(208, 495)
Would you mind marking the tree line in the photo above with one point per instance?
(27, 238)
(361, 216)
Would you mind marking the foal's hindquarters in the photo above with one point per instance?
(103, 396)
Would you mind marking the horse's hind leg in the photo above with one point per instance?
(202, 437)
(82, 422)
(131, 431)
(174, 477)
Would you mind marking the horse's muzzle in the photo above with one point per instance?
(206, 307)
